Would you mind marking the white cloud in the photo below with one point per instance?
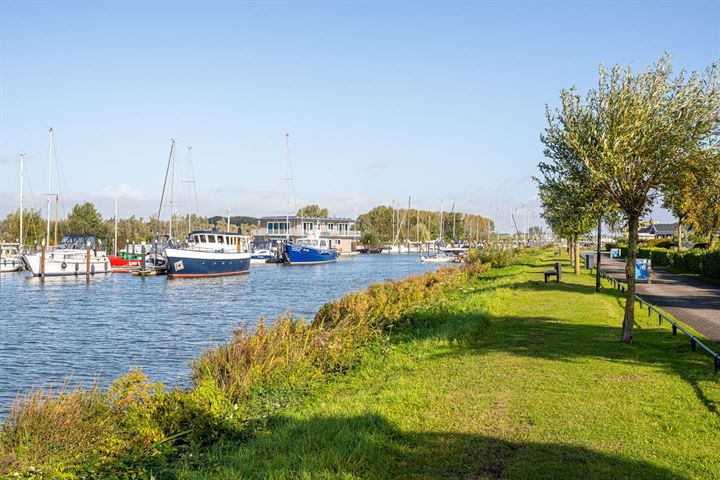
(123, 190)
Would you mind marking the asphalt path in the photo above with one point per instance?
(692, 301)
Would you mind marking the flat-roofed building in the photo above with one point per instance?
(341, 231)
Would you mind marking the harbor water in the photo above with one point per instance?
(72, 329)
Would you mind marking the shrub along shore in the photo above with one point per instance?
(471, 372)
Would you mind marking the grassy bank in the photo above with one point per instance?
(508, 378)
(140, 429)
(459, 374)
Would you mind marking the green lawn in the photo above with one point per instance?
(512, 378)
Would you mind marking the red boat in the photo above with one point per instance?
(125, 262)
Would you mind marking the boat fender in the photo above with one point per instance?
(92, 269)
(64, 265)
(77, 267)
(106, 266)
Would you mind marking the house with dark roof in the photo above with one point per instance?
(659, 230)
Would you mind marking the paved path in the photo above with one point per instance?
(694, 302)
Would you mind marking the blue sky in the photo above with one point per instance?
(443, 101)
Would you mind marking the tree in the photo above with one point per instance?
(570, 206)
(634, 133)
(369, 239)
(33, 226)
(85, 219)
(313, 211)
(696, 197)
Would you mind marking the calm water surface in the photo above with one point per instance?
(59, 327)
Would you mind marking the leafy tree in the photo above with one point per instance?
(634, 133)
(85, 219)
(570, 206)
(697, 196)
(369, 238)
(313, 211)
(33, 226)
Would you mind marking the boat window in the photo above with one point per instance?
(221, 239)
(196, 238)
(202, 239)
(211, 238)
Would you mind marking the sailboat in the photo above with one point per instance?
(11, 253)
(75, 255)
(442, 256)
(311, 250)
(155, 262)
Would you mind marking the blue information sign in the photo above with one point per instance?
(614, 253)
(642, 269)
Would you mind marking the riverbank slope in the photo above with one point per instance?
(509, 378)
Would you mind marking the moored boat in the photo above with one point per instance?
(439, 258)
(10, 258)
(125, 262)
(210, 254)
(309, 251)
(261, 256)
(75, 255)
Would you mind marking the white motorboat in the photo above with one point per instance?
(76, 255)
(10, 258)
(261, 256)
(439, 258)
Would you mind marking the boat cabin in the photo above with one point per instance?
(212, 240)
(78, 242)
(319, 243)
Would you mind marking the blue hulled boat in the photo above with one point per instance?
(309, 251)
(210, 254)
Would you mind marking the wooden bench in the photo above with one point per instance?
(556, 272)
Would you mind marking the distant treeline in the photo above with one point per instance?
(384, 225)
(85, 219)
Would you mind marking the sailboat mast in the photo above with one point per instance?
(22, 166)
(407, 240)
(57, 217)
(162, 196)
(442, 225)
(172, 188)
(287, 187)
(393, 222)
(116, 229)
(228, 223)
(50, 152)
(189, 186)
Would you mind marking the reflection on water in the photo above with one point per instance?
(65, 326)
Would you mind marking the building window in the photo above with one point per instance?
(331, 226)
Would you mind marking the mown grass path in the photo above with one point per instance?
(512, 378)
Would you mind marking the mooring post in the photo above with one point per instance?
(142, 260)
(42, 259)
(87, 260)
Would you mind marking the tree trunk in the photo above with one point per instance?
(679, 247)
(571, 252)
(577, 254)
(629, 320)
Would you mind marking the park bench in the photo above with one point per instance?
(557, 272)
